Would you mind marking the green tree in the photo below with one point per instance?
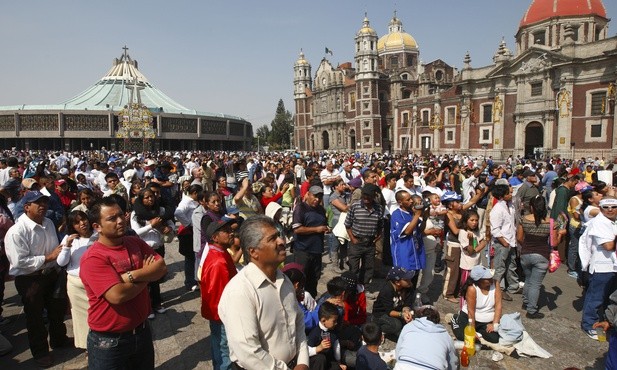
(263, 133)
(281, 128)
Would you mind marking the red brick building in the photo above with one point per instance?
(554, 95)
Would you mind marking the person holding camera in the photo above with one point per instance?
(406, 227)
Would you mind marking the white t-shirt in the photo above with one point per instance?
(325, 175)
(390, 198)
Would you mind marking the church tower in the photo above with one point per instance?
(368, 124)
(302, 91)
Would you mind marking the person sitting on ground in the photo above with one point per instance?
(323, 345)
(391, 309)
(425, 344)
(482, 307)
(295, 274)
(368, 355)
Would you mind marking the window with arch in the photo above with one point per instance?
(406, 94)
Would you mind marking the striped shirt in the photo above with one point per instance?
(363, 222)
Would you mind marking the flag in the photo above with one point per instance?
(328, 51)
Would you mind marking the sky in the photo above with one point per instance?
(232, 57)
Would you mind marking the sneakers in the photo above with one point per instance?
(151, 316)
(160, 309)
(592, 334)
(506, 297)
(534, 316)
(194, 288)
(573, 274)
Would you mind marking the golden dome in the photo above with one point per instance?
(301, 59)
(396, 41)
(366, 28)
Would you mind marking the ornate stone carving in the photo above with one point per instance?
(7, 123)
(82, 122)
(183, 125)
(39, 122)
(213, 127)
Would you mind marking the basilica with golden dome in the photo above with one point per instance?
(554, 94)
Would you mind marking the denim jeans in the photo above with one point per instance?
(535, 267)
(427, 271)
(220, 349)
(601, 285)
(505, 266)
(573, 264)
(110, 351)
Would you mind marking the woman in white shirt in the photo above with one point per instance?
(78, 239)
(482, 307)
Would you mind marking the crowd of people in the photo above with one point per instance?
(89, 230)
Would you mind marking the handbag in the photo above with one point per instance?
(339, 229)
(555, 261)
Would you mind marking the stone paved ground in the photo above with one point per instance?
(181, 336)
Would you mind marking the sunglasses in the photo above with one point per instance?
(609, 207)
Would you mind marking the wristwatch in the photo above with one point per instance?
(131, 278)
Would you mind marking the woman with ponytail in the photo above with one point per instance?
(533, 234)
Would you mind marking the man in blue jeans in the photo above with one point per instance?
(600, 242)
(503, 231)
(116, 271)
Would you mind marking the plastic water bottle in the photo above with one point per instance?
(417, 303)
(470, 338)
(464, 357)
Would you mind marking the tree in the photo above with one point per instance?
(263, 133)
(281, 128)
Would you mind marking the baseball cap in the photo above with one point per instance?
(582, 186)
(356, 182)
(33, 196)
(502, 182)
(449, 196)
(28, 182)
(150, 162)
(293, 265)
(216, 226)
(370, 189)
(60, 182)
(480, 272)
(315, 190)
(398, 273)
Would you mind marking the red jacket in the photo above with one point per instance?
(217, 270)
(355, 310)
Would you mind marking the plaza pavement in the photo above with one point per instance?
(181, 335)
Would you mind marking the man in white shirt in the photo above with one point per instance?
(328, 175)
(503, 231)
(32, 248)
(600, 235)
(257, 337)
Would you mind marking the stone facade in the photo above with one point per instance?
(555, 96)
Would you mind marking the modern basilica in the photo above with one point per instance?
(554, 94)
